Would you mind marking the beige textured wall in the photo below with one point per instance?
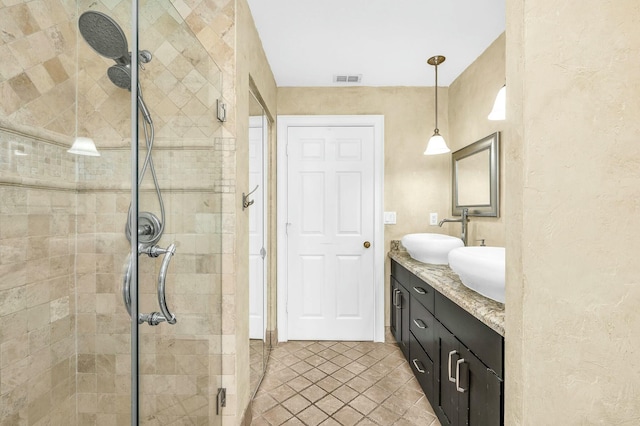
(252, 71)
(414, 184)
(471, 98)
(573, 308)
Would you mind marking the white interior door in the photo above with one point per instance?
(256, 230)
(330, 207)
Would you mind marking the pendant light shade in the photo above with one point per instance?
(499, 106)
(84, 146)
(436, 144)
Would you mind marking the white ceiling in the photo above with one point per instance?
(307, 42)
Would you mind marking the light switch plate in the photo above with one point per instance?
(433, 218)
(389, 218)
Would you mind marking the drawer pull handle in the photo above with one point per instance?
(420, 290)
(419, 323)
(415, 364)
(458, 387)
(451, 378)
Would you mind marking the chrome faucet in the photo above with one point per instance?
(464, 219)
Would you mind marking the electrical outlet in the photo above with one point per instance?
(433, 218)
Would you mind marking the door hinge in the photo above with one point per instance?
(221, 400)
(263, 252)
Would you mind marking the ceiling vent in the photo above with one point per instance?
(344, 78)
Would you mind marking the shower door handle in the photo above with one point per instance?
(162, 279)
(126, 291)
(153, 318)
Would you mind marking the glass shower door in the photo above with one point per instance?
(180, 362)
(149, 353)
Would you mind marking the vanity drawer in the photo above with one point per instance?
(418, 288)
(423, 293)
(422, 325)
(422, 367)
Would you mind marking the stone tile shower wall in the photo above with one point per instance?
(38, 66)
(62, 217)
(37, 213)
(37, 302)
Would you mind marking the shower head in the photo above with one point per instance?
(104, 35)
(120, 75)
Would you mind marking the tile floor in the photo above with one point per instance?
(340, 383)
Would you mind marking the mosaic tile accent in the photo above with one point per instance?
(25, 159)
(180, 168)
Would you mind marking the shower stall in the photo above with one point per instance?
(110, 252)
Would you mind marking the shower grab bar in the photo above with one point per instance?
(153, 318)
(162, 279)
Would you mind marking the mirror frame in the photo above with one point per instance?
(491, 143)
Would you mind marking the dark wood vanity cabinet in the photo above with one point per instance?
(457, 359)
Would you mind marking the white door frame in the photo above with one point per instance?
(286, 121)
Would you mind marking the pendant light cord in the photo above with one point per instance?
(437, 131)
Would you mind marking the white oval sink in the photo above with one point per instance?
(481, 269)
(430, 248)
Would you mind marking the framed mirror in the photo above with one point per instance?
(475, 175)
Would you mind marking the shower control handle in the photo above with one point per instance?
(144, 56)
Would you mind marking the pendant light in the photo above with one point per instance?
(436, 144)
(499, 106)
(84, 146)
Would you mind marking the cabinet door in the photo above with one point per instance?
(393, 314)
(481, 399)
(474, 397)
(402, 321)
(446, 394)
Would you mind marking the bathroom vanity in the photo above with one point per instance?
(452, 337)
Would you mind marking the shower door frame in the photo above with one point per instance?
(133, 212)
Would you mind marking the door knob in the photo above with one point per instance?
(367, 244)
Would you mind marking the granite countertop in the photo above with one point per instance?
(447, 282)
